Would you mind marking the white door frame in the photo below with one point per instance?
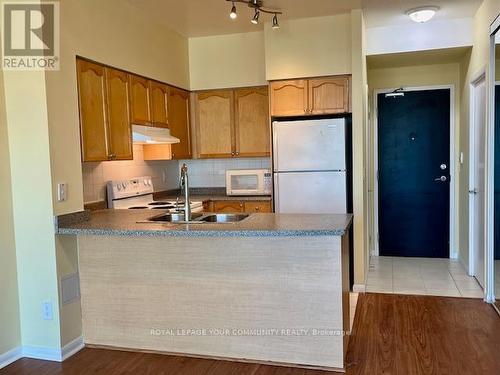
(490, 169)
(452, 251)
(478, 77)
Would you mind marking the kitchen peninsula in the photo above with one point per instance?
(270, 288)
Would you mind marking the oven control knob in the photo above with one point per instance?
(118, 187)
(124, 185)
(149, 182)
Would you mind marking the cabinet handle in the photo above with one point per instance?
(237, 153)
(111, 156)
(232, 153)
(257, 208)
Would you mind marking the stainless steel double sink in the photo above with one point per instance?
(198, 218)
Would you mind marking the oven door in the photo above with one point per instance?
(244, 183)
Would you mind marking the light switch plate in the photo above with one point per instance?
(62, 191)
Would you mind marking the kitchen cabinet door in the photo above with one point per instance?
(214, 124)
(178, 113)
(119, 128)
(159, 100)
(93, 119)
(252, 127)
(328, 95)
(140, 100)
(257, 207)
(289, 98)
(228, 206)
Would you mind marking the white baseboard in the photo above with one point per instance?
(44, 353)
(359, 288)
(41, 352)
(11, 356)
(72, 347)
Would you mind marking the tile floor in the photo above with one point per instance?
(424, 276)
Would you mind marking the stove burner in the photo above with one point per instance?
(163, 207)
(159, 203)
(137, 208)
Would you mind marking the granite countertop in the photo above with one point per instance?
(128, 223)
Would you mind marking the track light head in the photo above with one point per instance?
(233, 15)
(276, 25)
(255, 19)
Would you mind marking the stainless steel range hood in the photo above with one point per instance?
(147, 135)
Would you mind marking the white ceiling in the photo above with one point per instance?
(193, 18)
(392, 12)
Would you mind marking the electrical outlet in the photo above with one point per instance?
(47, 310)
(62, 191)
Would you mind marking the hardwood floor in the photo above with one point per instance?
(406, 335)
(392, 334)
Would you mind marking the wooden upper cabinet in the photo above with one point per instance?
(328, 95)
(93, 119)
(159, 100)
(315, 96)
(140, 100)
(178, 113)
(289, 98)
(119, 128)
(214, 123)
(252, 132)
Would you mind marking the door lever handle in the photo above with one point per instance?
(473, 191)
(442, 179)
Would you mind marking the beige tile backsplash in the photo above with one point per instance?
(165, 174)
(212, 172)
(96, 175)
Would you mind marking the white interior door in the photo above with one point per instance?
(477, 196)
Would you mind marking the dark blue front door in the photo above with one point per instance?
(413, 154)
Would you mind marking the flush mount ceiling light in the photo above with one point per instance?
(422, 14)
(257, 5)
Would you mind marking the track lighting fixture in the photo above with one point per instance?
(257, 5)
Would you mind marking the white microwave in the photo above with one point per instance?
(248, 182)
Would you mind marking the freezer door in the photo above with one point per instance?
(312, 145)
(310, 193)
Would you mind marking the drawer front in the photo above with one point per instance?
(256, 207)
(228, 206)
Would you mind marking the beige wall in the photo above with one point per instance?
(32, 205)
(10, 336)
(415, 76)
(470, 68)
(359, 125)
(222, 61)
(309, 47)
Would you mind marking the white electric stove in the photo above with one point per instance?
(137, 193)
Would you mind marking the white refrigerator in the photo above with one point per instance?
(309, 166)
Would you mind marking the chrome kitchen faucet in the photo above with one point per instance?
(185, 186)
